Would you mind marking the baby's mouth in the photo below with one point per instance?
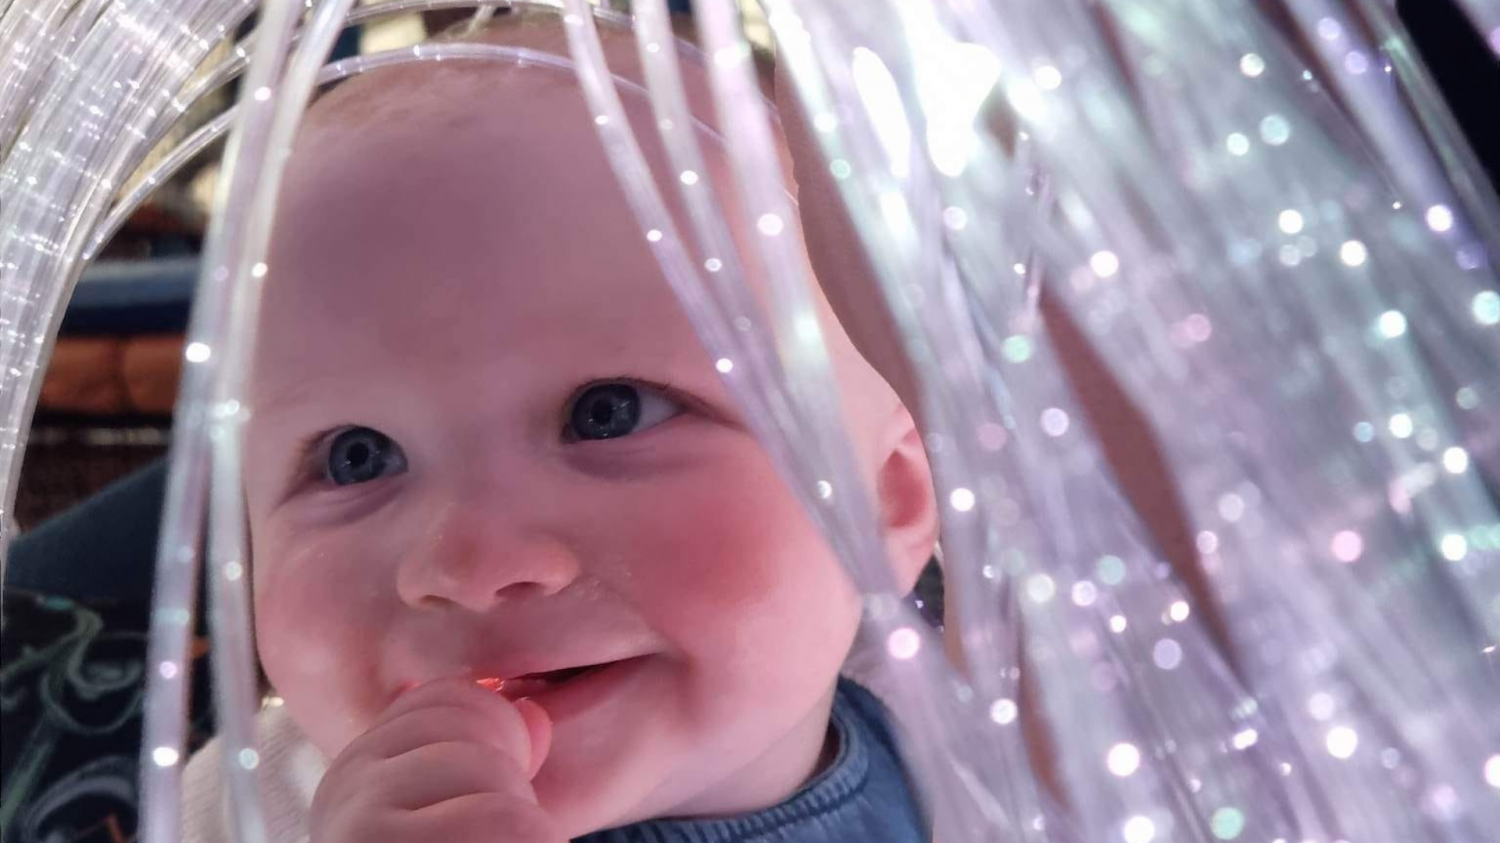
(532, 684)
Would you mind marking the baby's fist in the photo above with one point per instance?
(447, 761)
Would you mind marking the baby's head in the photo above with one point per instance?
(487, 442)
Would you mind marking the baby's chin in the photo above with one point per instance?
(584, 795)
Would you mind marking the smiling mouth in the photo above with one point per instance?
(532, 684)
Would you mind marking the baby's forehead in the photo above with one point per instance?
(452, 213)
(495, 161)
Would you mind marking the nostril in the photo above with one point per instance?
(433, 601)
(518, 590)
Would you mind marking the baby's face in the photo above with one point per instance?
(485, 441)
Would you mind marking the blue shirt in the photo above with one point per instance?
(863, 797)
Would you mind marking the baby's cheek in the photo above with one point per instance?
(743, 570)
(318, 632)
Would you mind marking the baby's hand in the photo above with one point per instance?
(447, 761)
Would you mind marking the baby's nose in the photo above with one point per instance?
(477, 562)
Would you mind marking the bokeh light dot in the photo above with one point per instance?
(1486, 308)
(164, 756)
(961, 499)
(1321, 705)
(713, 264)
(1085, 593)
(1198, 327)
(1440, 218)
(1347, 546)
(1456, 460)
(1047, 77)
(1111, 570)
(840, 168)
(1492, 771)
(1167, 654)
(1016, 348)
(1245, 738)
(249, 759)
(1179, 610)
(1207, 542)
(1454, 547)
(955, 218)
(1231, 507)
(903, 643)
(688, 177)
(197, 352)
(1227, 823)
(1252, 65)
(1054, 421)
(1139, 829)
(1004, 711)
(1275, 130)
(724, 365)
(825, 489)
(1237, 144)
(1391, 324)
(1290, 221)
(770, 225)
(1105, 263)
(1401, 425)
(1123, 759)
(1353, 253)
(1040, 588)
(1342, 741)
(1118, 624)
(653, 235)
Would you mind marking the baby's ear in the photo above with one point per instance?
(908, 505)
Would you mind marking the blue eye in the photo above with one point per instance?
(612, 410)
(359, 455)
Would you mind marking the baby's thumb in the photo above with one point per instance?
(538, 731)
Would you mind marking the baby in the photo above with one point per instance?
(521, 571)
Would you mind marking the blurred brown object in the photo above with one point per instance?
(84, 377)
(113, 376)
(104, 411)
(439, 20)
(150, 369)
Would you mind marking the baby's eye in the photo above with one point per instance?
(612, 410)
(359, 455)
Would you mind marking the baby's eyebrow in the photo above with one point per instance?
(287, 396)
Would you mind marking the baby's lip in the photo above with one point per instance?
(531, 684)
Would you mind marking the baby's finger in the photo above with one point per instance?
(539, 730)
(483, 817)
(433, 724)
(439, 772)
(511, 731)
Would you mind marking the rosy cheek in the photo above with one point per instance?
(743, 551)
(318, 637)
